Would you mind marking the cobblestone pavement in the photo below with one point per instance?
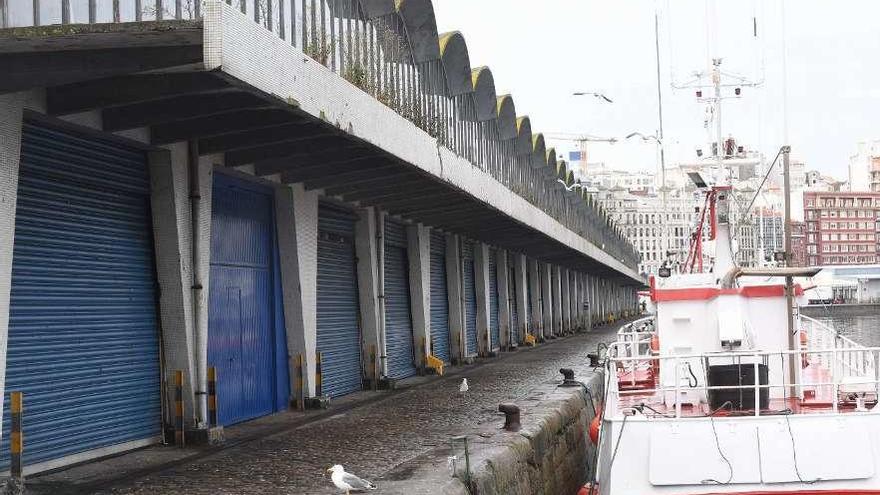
(369, 440)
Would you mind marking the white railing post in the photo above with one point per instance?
(758, 387)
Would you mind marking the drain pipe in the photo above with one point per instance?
(380, 263)
(195, 201)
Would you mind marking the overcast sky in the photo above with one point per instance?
(541, 52)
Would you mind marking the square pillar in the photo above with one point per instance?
(419, 253)
(556, 281)
(366, 241)
(547, 300)
(183, 311)
(502, 274)
(11, 119)
(520, 273)
(566, 300)
(481, 280)
(296, 217)
(537, 321)
(455, 293)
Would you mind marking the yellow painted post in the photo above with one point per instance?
(16, 440)
(212, 397)
(179, 437)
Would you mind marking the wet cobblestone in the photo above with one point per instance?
(368, 440)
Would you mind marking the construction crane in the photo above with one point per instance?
(581, 140)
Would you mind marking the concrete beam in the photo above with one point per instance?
(28, 70)
(399, 189)
(204, 127)
(297, 131)
(124, 90)
(178, 108)
(436, 196)
(419, 254)
(296, 223)
(328, 160)
(368, 180)
(315, 176)
(353, 175)
(316, 148)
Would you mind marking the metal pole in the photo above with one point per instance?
(664, 241)
(789, 281)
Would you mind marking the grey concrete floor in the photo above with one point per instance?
(370, 433)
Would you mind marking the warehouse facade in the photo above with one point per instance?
(207, 191)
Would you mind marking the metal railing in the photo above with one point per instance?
(845, 382)
(396, 57)
(821, 336)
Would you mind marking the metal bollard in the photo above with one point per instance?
(179, 437)
(212, 397)
(319, 382)
(568, 378)
(511, 416)
(16, 440)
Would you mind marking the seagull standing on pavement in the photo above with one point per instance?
(347, 481)
(464, 385)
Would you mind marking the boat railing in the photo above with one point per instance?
(820, 336)
(634, 339)
(844, 385)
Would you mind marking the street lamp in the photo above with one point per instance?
(597, 95)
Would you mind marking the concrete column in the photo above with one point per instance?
(566, 300)
(547, 300)
(458, 349)
(521, 299)
(556, 282)
(186, 344)
(419, 254)
(574, 283)
(502, 274)
(11, 117)
(537, 321)
(296, 221)
(368, 266)
(481, 280)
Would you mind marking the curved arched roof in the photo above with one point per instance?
(456, 64)
(485, 99)
(539, 151)
(550, 161)
(376, 8)
(421, 28)
(506, 118)
(523, 136)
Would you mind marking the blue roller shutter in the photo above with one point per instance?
(439, 298)
(83, 341)
(511, 297)
(339, 335)
(494, 330)
(470, 297)
(398, 319)
(246, 338)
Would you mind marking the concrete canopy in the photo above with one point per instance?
(507, 128)
(377, 8)
(550, 164)
(355, 9)
(485, 99)
(539, 151)
(421, 28)
(456, 64)
(523, 136)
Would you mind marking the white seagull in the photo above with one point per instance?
(347, 481)
(464, 385)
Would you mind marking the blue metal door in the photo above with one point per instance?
(494, 332)
(511, 298)
(246, 342)
(470, 297)
(83, 342)
(398, 319)
(439, 298)
(339, 335)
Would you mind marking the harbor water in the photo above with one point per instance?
(863, 328)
